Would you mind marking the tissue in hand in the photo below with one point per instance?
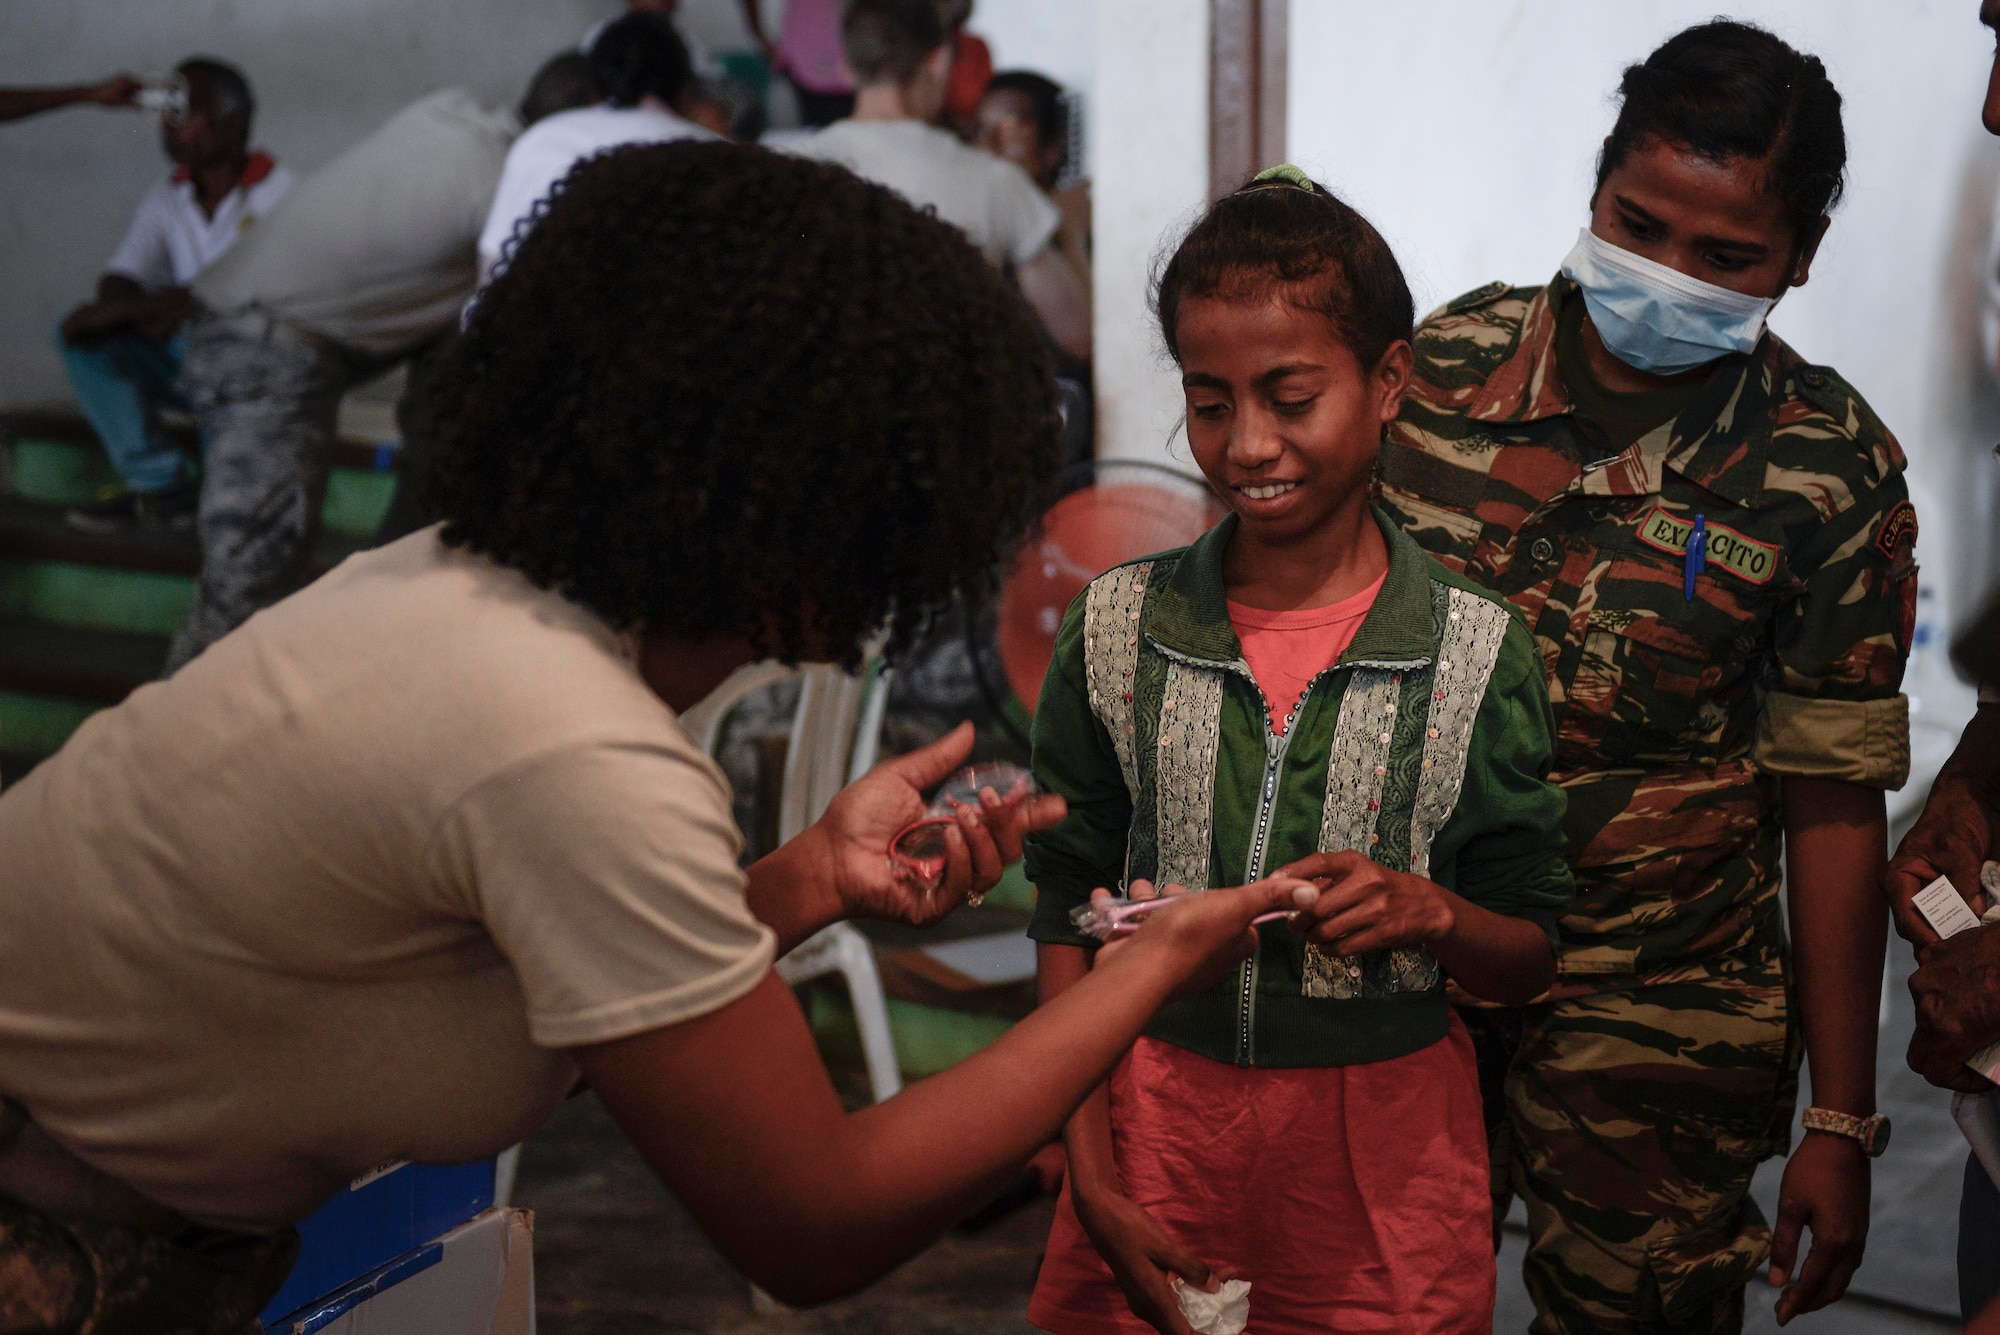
(1224, 1312)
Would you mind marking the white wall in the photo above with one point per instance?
(326, 72)
(1467, 131)
(1150, 181)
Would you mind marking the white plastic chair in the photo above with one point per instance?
(836, 734)
(835, 739)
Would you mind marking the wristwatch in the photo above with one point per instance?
(1872, 1133)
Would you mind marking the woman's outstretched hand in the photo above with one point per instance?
(1211, 933)
(979, 845)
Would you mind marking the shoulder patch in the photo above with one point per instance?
(1479, 296)
(1896, 536)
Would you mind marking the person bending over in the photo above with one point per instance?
(391, 867)
(123, 349)
(371, 260)
(900, 52)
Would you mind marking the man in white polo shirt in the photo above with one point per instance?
(123, 349)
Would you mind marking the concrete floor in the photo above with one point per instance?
(616, 1255)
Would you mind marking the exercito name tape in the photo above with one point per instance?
(1743, 557)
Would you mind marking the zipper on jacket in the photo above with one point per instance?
(1275, 745)
(1267, 801)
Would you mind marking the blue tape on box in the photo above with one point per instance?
(377, 1219)
(323, 1312)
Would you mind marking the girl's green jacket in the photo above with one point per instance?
(1427, 746)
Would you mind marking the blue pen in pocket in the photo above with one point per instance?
(1697, 557)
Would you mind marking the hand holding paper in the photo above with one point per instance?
(1957, 991)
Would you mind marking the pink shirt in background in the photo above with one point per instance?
(809, 48)
(1286, 650)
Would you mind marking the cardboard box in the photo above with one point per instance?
(382, 1216)
(478, 1279)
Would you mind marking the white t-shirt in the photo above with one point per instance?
(988, 198)
(171, 240)
(551, 146)
(343, 889)
(375, 249)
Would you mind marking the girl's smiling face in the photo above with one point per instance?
(1281, 416)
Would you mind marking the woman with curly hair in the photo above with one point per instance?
(384, 872)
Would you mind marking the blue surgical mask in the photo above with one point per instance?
(1658, 319)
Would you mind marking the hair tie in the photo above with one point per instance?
(1282, 175)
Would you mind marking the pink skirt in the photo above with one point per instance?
(1353, 1198)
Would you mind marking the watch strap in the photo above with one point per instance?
(1871, 1133)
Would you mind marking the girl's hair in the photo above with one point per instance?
(723, 392)
(1726, 90)
(1284, 229)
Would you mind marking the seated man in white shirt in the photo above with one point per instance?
(641, 68)
(123, 349)
(900, 52)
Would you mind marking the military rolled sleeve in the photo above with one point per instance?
(1073, 756)
(1833, 706)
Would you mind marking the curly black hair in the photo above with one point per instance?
(718, 391)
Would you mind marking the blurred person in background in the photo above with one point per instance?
(900, 52)
(123, 349)
(808, 55)
(1957, 983)
(368, 261)
(971, 70)
(120, 90)
(563, 83)
(699, 59)
(1714, 545)
(1025, 118)
(645, 84)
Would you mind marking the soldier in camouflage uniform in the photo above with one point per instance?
(1692, 676)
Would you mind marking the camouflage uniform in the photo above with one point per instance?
(1630, 1107)
(267, 396)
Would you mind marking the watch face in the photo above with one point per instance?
(1877, 1134)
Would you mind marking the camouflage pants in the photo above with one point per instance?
(1629, 1123)
(267, 398)
(70, 1277)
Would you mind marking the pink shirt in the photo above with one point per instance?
(809, 46)
(1286, 650)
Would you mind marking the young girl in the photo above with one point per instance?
(1302, 689)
